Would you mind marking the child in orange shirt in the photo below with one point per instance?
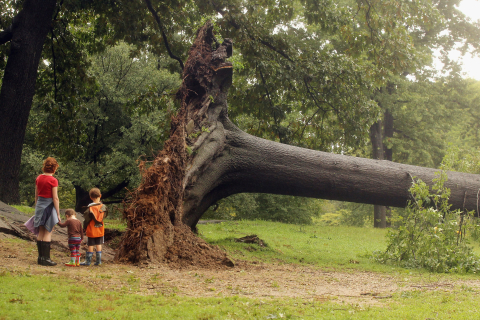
(94, 227)
(75, 237)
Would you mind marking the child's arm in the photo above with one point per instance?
(63, 224)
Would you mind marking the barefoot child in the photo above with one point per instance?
(94, 227)
(75, 236)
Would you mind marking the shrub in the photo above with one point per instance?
(431, 236)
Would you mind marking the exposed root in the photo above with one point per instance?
(155, 232)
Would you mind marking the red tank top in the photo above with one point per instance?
(45, 184)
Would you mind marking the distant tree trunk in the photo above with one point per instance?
(381, 214)
(81, 198)
(26, 35)
(388, 133)
(388, 152)
(208, 158)
(376, 137)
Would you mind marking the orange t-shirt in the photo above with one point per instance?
(45, 184)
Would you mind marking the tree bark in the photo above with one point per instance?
(381, 214)
(249, 164)
(82, 199)
(28, 33)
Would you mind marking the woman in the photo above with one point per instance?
(47, 212)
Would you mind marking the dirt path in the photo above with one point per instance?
(256, 280)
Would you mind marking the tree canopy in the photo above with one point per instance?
(314, 74)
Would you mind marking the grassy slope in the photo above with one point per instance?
(326, 247)
(23, 295)
(24, 209)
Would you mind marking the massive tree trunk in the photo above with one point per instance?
(26, 35)
(208, 158)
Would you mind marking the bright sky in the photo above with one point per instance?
(471, 65)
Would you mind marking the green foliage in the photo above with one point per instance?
(428, 114)
(124, 117)
(431, 236)
(463, 158)
(331, 219)
(288, 209)
(335, 213)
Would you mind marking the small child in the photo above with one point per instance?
(75, 236)
(94, 227)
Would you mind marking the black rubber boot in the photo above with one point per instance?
(98, 258)
(88, 259)
(40, 252)
(46, 254)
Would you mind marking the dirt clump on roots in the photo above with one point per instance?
(155, 231)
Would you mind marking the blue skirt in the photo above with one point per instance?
(45, 214)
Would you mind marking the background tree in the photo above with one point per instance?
(450, 28)
(26, 34)
(123, 117)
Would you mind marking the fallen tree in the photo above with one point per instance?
(208, 158)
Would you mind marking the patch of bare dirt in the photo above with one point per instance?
(249, 279)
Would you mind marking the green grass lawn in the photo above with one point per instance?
(117, 224)
(326, 247)
(24, 296)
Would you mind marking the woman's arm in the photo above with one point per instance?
(56, 202)
(36, 195)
